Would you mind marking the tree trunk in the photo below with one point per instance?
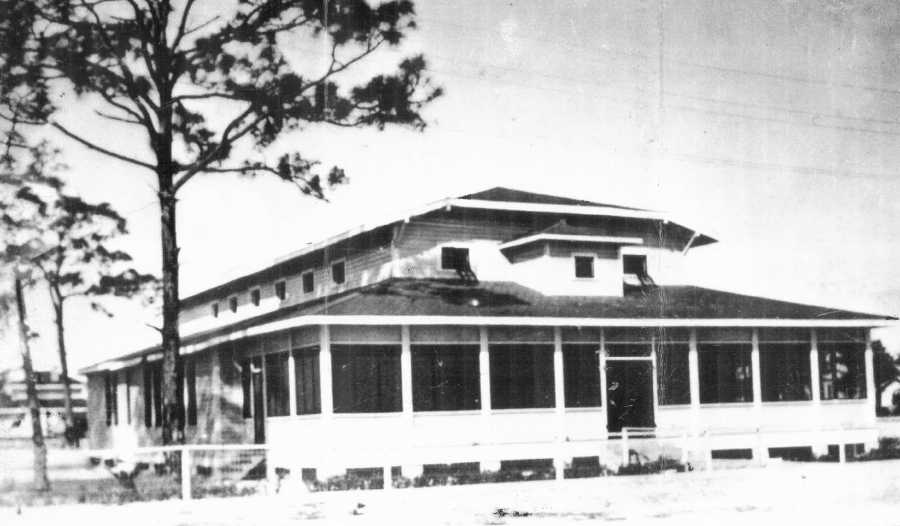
(64, 366)
(173, 427)
(41, 482)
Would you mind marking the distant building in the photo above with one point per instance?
(501, 325)
(15, 420)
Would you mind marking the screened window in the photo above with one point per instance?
(784, 372)
(725, 373)
(309, 282)
(246, 387)
(581, 375)
(215, 310)
(522, 376)
(842, 366)
(128, 396)
(112, 403)
(584, 266)
(254, 297)
(445, 377)
(366, 378)
(338, 272)
(281, 290)
(306, 374)
(232, 304)
(673, 374)
(190, 379)
(277, 384)
(454, 258)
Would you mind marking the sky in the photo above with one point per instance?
(773, 125)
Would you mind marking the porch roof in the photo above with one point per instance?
(421, 300)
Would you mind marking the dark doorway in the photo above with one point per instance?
(259, 401)
(629, 391)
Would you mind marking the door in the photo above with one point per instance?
(259, 401)
(629, 394)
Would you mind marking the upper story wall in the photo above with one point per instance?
(413, 249)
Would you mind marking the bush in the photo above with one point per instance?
(656, 466)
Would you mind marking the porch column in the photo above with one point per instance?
(325, 372)
(559, 462)
(814, 385)
(216, 392)
(292, 377)
(757, 381)
(484, 368)
(694, 377)
(603, 394)
(871, 392)
(406, 372)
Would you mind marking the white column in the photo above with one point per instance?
(292, 378)
(654, 359)
(406, 372)
(757, 381)
(871, 393)
(603, 394)
(325, 372)
(559, 461)
(694, 377)
(484, 367)
(814, 385)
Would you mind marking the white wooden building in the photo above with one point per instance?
(496, 326)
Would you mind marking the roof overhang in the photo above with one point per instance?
(601, 240)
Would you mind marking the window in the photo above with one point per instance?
(215, 310)
(190, 379)
(725, 373)
(309, 282)
(112, 410)
(454, 258)
(232, 304)
(366, 378)
(277, 384)
(337, 272)
(842, 367)
(522, 376)
(247, 387)
(281, 290)
(254, 297)
(306, 369)
(445, 378)
(673, 374)
(581, 375)
(152, 395)
(784, 372)
(584, 266)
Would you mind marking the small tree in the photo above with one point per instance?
(172, 73)
(78, 262)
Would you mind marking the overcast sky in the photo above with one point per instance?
(771, 124)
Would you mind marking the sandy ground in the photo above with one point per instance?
(861, 493)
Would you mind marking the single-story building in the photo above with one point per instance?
(496, 326)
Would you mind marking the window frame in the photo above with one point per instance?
(233, 304)
(576, 256)
(446, 258)
(277, 383)
(858, 369)
(385, 373)
(775, 358)
(190, 387)
(111, 397)
(705, 349)
(342, 264)
(215, 309)
(508, 382)
(456, 388)
(308, 356)
(312, 282)
(255, 297)
(281, 289)
(577, 393)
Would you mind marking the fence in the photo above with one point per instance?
(194, 471)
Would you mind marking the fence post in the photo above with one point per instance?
(626, 458)
(388, 478)
(185, 473)
(708, 450)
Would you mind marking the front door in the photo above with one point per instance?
(629, 394)
(259, 401)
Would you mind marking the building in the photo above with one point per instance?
(496, 326)
(15, 419)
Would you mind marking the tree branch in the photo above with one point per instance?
(104, 151)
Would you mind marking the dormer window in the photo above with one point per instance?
(309, 282)
(457, 258)
(635, 272)
(215, 310)
(254, 297)
(584, 267)
(280, 290)
(338, 275)
(232, 303)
